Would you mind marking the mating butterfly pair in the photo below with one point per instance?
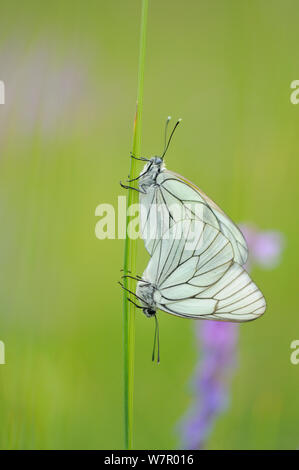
(197, 252)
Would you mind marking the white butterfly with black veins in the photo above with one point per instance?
(167, 197)
(192, 274)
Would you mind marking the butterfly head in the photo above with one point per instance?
(149, 312)
(155, 164)
(157, 161)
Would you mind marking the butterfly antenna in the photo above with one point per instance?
(171, 135)
(156, 340)
(165, 132)
(154, 346)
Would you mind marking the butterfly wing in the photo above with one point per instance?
(154, 217)
(179, 187)
(195, 276)
(174, 198)
(234, 297)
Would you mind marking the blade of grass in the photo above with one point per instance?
(130, 249)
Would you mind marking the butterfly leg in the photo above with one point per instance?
(130, 292)
(134, 179)
(131, 187)
(132, 302)
(142, 159)
(141, 174)
(137, 278)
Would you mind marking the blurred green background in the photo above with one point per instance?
(70, 71)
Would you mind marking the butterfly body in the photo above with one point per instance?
(149, 174)
(146, 292)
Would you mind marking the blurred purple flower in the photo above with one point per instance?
(217, 348)
(265, 248)
(217, 345)
(42, 91)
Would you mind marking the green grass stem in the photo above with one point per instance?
(131, 248)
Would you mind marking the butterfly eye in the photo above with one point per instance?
(149, 312)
